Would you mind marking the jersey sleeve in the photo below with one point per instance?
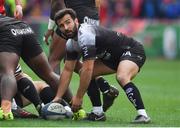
(86, 40)
(71, 51)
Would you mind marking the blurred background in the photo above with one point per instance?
(155, 23)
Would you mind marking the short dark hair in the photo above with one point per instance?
(63, 12)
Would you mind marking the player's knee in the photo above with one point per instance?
(122, 79)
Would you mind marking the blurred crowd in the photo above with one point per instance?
(112, 10)
(31, 8)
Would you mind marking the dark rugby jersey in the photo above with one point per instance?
(95, 41)
(5, 20)
(83, 8)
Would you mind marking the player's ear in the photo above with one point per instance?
(76, 20)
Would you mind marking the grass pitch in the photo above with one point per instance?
(158, 82)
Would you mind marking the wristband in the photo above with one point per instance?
(51, 24)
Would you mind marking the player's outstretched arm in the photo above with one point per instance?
(85, 78)
(18, 13)
(65, 79)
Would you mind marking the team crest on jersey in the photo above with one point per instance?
(24, 31)
(127, 53)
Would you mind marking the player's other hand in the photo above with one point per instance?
(48, 34)
(18, 13)
(76, 103)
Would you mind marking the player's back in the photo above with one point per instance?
(83, 8)
(105, 38)
(79, 3)
(5, 21)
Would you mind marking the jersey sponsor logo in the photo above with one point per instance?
(119, 34)
(130, 95)
(24, 31)
(127, 53)
(85, 51)
(90, 21)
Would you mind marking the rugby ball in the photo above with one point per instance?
(53, 111)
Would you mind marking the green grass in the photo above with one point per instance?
(158, 82)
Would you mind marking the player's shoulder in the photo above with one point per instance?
(71, 45)
(86, 28)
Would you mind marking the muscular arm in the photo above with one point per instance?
(85, 77)
(65, 79)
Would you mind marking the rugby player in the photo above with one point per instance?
(103, 52)
(87, 12)
(17, 39)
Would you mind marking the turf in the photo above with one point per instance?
(158, 81)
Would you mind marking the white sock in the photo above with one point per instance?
(14, 105)
(142, 112)
(98, 110)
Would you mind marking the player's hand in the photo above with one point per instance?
(47, 35)
(18, 13)
(56, 100)
(76, 103)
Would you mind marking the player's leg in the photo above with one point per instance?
(19, 112)
(38, 62)
(112, 93)
(97, 113)
(45, 92)
(27, 88)
(56, 52)
(8, 63)
(39, 86)
(41, 67)
(93, 92)
(109, 92)
(126, 71)
(103, 85)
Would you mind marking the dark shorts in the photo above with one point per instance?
(20, 39)
(136, 55)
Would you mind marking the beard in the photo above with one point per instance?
(71, 34)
